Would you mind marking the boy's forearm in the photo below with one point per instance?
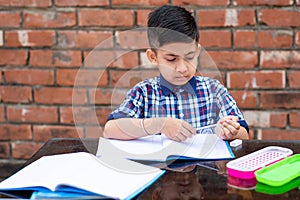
(124, 128)
(131, 128)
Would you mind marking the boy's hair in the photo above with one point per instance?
(169, 24)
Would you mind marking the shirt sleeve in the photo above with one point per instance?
(227, 105)
(131, 107)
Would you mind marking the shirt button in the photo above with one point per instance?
(181, 115)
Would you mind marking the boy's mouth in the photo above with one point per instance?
(181, 77)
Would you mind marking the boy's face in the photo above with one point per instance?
(177, 62)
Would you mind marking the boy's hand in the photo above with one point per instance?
(177, 129)
(228, 127)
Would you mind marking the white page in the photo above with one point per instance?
(202, 146)
(145, 148)
(85, 171)
(205, 145)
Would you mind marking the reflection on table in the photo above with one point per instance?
(189, 180)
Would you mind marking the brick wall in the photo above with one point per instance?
(44, 43)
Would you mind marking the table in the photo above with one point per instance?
(193, 180)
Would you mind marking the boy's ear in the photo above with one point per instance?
(198, 48)
(151, 55)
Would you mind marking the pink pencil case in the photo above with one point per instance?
(245, 166)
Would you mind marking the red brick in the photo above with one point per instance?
(49, 19)
(201, 2)
(14, 94)
(257, 118)
(85, 39)
(126, 60)
(93, 132)
(215, 74)
(133, 39)
(274, 134)
(245, 39)
(32, 38)
(278, 120)
(2, 114)
(102, 115)
(10, 19)
(33, 114)
(229, 60)
(70, 77)
(228, 17)
(52, 95)
(280, 59)
(99, 59)
(262, 2)
(78, 115)
(140, 2)
(84, 115)
(295, 119)
(287, 100)
(24, 150)
(15, 132)
(288, 18)
(245, 99)
(48, 58)
(275, 39)
(257, 79)
(13, 57)
(293, 79)
(122, 79)
(142, 17)
(4, 150)
(107, 96)
(45, 133)
(1, 38)
(81, 3)
(110, 18)
(297, 38)
(212, 38)
(26, 3)
(246, 18)
(29, 76)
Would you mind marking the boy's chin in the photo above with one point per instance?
(180, 82)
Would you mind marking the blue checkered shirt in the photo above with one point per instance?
(201, 102)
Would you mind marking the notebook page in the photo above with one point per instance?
(84, 171)
(200, 146)
(145, 148)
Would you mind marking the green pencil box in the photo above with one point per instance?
(280, 173)
(267, 189)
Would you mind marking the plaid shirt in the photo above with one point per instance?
(201, 102)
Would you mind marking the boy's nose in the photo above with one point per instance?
(181, 66)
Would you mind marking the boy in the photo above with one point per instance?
(176, 103)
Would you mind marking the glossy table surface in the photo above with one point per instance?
(193, 180)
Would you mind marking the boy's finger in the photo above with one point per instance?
(187, 133)
(236, 125)
(189, 128)
(231, 130)
(181, 137)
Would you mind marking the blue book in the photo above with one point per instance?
(81, 175)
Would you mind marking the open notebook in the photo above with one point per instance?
(203, 146)
(81, 175)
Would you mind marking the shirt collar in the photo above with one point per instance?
(167, 87)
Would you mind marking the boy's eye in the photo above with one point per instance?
(189, 58)
(171, 59)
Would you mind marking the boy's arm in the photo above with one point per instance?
(228, 128)
(132, 128)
